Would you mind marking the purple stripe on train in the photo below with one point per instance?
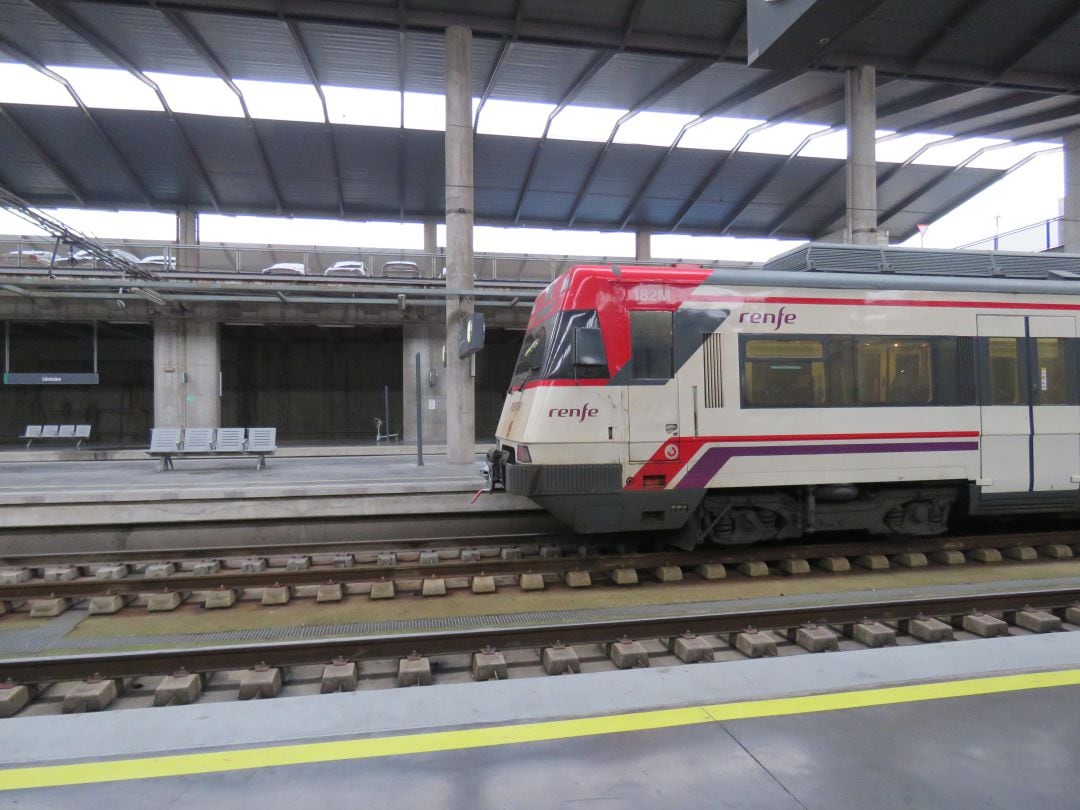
(715, 458)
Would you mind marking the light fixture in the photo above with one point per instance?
(401, 301)
(150, 295)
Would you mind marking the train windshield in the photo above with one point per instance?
(531, 359)
(548, 351)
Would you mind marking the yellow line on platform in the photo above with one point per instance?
(463, 739)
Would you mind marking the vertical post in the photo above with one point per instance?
(386, 407)
(431, 246)
(187, 234)
(861, 109)
(460, 395)
(643, 246)
(95, 347)
(419, 418)
(1070, 222)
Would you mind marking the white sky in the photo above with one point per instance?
(1029, 194)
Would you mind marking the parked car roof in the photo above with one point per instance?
(86, 257)
(26, 255)
(351, 267)
(164, 262)
(295, 268)
(401, 269)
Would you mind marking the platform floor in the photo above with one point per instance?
(43, 495)
(125, 480)
(983, 724)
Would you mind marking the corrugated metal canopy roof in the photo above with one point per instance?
(967, 67)
(749, 194)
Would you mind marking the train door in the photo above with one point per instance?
(652, 393)
(1030, 409)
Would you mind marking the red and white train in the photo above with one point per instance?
(840, 387)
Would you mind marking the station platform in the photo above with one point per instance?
(988, 724)
(50, 494)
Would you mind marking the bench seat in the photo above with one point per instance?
(73, 433)
(200, 442)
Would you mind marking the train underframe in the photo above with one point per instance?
(740, 517)
(590, 499)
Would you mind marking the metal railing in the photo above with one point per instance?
(1035, 238)
(296, 261)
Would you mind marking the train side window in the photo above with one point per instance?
(783, 373)
(894, 371)
(1050, 387)
(1005, 370)
(650, 344)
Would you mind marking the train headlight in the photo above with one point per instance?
(523, 454)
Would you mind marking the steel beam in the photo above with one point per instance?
(202, 49)
(45, 157)
(309, 68)
(579, 84)
(121, 160)
(823, 100)
(95, 40)
(681, 76)
(931, 43)
(949, 171)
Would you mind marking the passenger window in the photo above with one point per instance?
(1050, 371)
(650, 345)
(1005, 384)
(894, 371)
(783, 373)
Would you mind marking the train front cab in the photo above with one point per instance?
(602, 348)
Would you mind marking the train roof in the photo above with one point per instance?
(835, 266)
(819, 257)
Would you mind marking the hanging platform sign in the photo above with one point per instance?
(51, 378)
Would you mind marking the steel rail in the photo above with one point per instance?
(594, 564)
(317, 547)
(33, 670)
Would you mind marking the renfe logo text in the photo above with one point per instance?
(781, 318)
(574, 413)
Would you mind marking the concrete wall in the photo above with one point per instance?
(118, 409)
(313, 384)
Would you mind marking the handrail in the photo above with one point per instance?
(1039, 236)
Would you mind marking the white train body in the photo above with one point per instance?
(749, 405)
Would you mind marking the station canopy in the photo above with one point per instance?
(958, 69)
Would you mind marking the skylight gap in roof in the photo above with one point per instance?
(21, 84)
(198, 95)
(111, 89)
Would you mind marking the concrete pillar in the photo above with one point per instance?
(428, 340)
(187, 374)
(861, 108)
(187, 233)
(431, 241)
(643, 246)
(1070, 225)
(460, 401)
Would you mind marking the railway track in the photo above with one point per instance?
(433, 570)
(260, 670)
